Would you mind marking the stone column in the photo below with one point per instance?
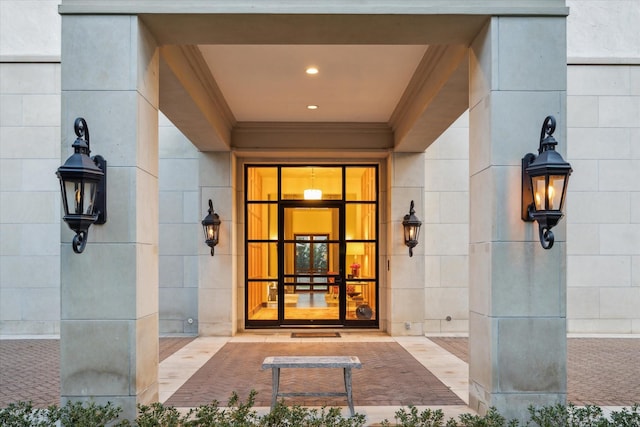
(517, 290)
(109, 293)
(218, 289)
(406, 276)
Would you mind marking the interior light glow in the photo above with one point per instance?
(312, 194)
(312, 107)
(311, 70)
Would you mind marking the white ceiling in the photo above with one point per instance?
(385, 81)
(355, 83)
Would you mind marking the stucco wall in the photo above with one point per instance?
(29, 29)
(603, 211)
(603, 206)
(180, 231)
(603, 29)
(445, 230)
(29, 198)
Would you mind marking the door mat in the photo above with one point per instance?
(315, 335)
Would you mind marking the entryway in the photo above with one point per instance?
(311, 246)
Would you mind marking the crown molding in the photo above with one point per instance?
(312, 135)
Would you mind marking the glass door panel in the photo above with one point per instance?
(361, 300)
(361, 183)
(262, 260)
(262, 300)
(262, 221)
(311, 257)
(311, 183)
(360, 221)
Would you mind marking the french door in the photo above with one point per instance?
(311, 290)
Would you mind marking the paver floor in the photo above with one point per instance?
(389, 376)
(601, 371)
(30, 368)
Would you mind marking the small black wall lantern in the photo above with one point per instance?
(411, 225)
(83, 185)
(544, 184)
(211, 228)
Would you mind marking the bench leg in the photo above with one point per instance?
(275, 383)
(347, 386)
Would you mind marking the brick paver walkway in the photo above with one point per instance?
(600, 371)
(389, 376)
(603, 372)
(170, 345)
(30, 369)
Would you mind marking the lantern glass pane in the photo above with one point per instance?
(65, 204)
(416, 232)
(211, 232)
(90, 190)
(80, 197)
(556, 185)
(539, 192)
(411, 233)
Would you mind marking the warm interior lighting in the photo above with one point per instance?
(312, 193)
(355, 248)
(312, 107)
(311, 70)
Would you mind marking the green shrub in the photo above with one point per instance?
(491, 419)
(73, 414)
(241, 414)
(587, 416)
(411, 418)
(626, 417)
(23, 414)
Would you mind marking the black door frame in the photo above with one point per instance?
(341, 278)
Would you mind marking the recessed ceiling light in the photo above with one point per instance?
(311, 70)
(312, 107)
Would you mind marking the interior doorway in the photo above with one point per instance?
(311, 247)
(310, 291)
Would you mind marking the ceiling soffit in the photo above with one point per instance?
(436, 96)
(201, 111)
(191, 99)
(355, 83)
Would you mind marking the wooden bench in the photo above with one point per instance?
(278, 362)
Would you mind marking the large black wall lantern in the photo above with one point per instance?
(83, 185)
(411, 225)
(211, 228)
(544, 184)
